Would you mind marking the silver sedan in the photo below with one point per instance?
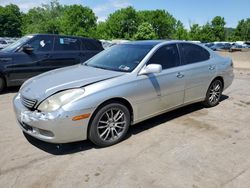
(119, 87)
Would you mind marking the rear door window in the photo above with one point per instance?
(167, 56)
(67, 44)
(192, 53)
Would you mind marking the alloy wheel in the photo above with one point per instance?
(111, 125)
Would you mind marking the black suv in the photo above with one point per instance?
(38, 53)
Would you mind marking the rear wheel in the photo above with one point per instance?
(110, 125)
(213, 93)
(2, 84)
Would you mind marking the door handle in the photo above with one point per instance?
(211, 67)
(179, 75)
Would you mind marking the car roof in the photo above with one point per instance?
(146, 42)
(43, 34)
(155, 42)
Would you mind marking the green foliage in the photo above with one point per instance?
(162, 22)
(101, 31)
(194, 33)
(180, 32)
(218, 25)
(45, 19)
(214, 31)
(126, 23)
(78, 20)
(58, 19)
(229, 34)
(10, 21)
(122, 24)
(145, 32)
(242, 31)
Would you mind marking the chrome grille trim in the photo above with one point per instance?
(28, 103)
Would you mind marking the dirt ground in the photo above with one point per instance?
(241, 59)
(189, 147)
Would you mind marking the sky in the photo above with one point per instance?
(187, 11)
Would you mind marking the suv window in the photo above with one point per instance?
(67, 44)
(42, 43)
(90, 44)
(192, 53)
(167, 56)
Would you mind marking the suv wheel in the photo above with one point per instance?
(109, 125)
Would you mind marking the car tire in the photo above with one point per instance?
(214, 93)
(2, 84)
(109, 124)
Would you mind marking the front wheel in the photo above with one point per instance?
(213, 94)
(109, 125)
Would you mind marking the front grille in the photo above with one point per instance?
(28, 103)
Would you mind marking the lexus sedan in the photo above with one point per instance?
(119, 87)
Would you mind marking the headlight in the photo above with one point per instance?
(58, 100)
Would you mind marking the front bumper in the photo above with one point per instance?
(54, 127)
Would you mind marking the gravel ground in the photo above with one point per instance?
(189, 147)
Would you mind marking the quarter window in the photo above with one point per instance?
(67, 44)
(192, 53)
(167, 56)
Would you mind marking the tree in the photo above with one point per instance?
(145, 32)
(122, 23)
(78, 20)
(206, 33)
(45, 19)
(218, 23)
(101, 31)
(242, 31)
(194, 33)
(10, 21)
(162, 22)
(180, 32)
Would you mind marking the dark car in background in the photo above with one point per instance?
(3, 43)
(34, 54)
(221, 46)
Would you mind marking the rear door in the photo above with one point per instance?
(26, 65)
(199, 71)
(67, 51)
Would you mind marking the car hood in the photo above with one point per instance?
(46, 84)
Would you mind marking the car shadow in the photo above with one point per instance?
(74, 147)
(168, 116)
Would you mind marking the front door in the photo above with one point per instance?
(164, 90)
(26, 65)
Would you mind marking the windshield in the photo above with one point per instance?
(12, 47)
(122, 57)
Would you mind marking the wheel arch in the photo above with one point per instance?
(121, 100)
(219, 78)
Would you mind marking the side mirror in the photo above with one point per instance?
(28, 49)
(151, 68)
